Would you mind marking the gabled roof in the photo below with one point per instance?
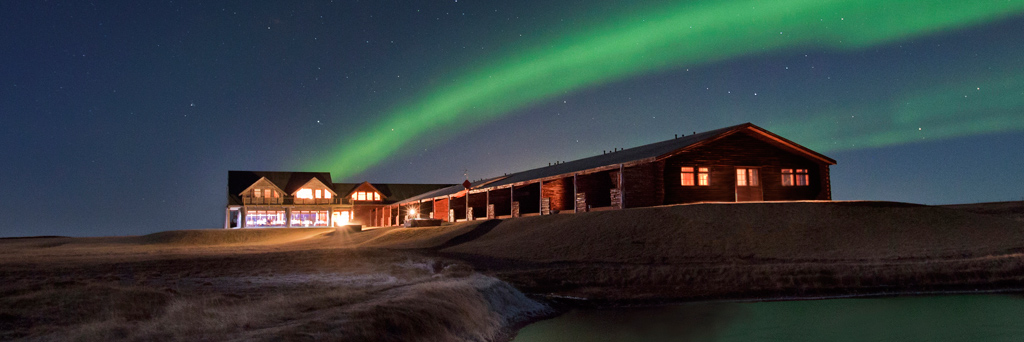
(311, 181)
(258, 182)
(289, 182)
(640, 154)
(391, 192)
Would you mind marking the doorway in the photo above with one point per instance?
(748, 185)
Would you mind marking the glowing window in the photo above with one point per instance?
(354, 196)
(795, 177)
(319, 193)
(687, 176)
(304, 193)
(275, 193)
(362, 196)
(746, 177)
(701, 177)
(257, 193)
(376, 196)
(327, 194)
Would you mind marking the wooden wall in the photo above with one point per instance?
(740, 150)
(441, 209)
(644, 185)
(560, 191)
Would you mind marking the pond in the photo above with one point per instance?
(931, 318)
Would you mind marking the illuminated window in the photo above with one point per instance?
(702, 176)
(376, 196)
(362, 196)
(687, 176)
(327, 194)
(304, 193)
(354, 196)
(257, 193)
(746, 177)
(275, 193)
(319, 193)
(795, 177)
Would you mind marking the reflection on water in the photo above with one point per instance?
(938, 318)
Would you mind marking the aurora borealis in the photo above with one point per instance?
(122, 117)
(693, 35)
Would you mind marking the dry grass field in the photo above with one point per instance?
(462, 282)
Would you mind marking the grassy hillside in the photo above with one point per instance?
(775, 231)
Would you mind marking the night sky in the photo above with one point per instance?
(123, 117)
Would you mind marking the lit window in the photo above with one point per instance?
(702, 176)
(687, 176)
(376, 196)
(257, 193)
(746, 177)
(275, 193)
(305, 194)
(354, 196)
(797, 177)
(362, 196)
(327, 194)
(319, 193)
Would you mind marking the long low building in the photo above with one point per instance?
(733, 164)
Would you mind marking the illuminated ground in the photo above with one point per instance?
(443, 283)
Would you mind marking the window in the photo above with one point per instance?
(304, 193)
(257, 193)
(275, 194)
(795, 177)
(703, 176)
(261, 218)
(319, 193)
(327, 194)
(687, 174)
(365, 196)
(747, 177)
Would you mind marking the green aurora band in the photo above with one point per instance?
(681, 36)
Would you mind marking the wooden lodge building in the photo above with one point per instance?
(307, 199)
(733, 164)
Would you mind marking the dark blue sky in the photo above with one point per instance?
(123, 117)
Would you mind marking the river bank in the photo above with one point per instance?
(482, 280)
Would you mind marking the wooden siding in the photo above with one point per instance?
(723, 156)
(441, 209)
(560, 191)
(643, 185)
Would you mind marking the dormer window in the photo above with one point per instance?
(319, 193)
(365, 196)
(258, 193)
(304, 194)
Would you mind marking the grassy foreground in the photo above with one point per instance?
(466, 282)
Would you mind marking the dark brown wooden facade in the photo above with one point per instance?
(739, 163)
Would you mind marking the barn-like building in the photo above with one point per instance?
(733, 164)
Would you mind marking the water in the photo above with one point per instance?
(934, 318)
